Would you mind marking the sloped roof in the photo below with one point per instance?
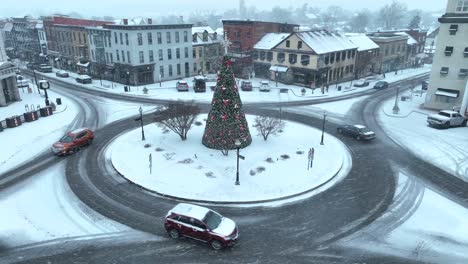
(322, 41)
(270, 40)
(362, 41)
(410, 41)
(8, 27)
(202, 29)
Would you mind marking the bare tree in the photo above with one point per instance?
(267, 125)
(415, 22)
(177, 117)
(360, 22)
(392, 15)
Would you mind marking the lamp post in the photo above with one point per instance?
(44, 85)
(396, 109)
(276, 78)
(323, 125)
(141, 122)
(128, 80)
(238, 144)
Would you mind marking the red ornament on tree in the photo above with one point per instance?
(223, 117)
(225, 102)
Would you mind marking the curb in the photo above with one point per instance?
(230, 202)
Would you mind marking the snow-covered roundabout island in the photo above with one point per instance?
(273, 170)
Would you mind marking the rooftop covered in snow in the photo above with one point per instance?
(322, 41)
(270, 40)
(362, 41)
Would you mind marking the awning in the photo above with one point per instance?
(447, 93)
(279, 68)
(82, 64)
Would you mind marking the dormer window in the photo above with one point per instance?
(205, 36)
(448, 51)
(299, 45)
(288, 43)
(444, 70)
(453, 29)
(194, 38)
(215, 36)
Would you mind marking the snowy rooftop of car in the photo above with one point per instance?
(190, 210)
(359, 126)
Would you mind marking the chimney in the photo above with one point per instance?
(125, 21)
(150, 21)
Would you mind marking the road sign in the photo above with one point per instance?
(241, 157)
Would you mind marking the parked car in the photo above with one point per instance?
(21, 82)
(380, 85)
(62, 74)
(264, 86)
(356, 131)
(182, 86)
(73, 141)
(361, 83)
(199, 84)
(246, 86)
(446, 119)
(202, 224)
(424, 85)
(44, 68)
(84, 79)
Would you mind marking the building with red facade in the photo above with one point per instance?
(243, 34)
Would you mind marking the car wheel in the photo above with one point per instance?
(340, 130)
(73, 150)
(216, 245)
(463, 124)
(447, 125)
(88, 142)
(174, 233)
(358, 138)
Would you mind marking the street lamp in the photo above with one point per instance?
(323, 125)
(128, 80)
(141, 122)
(238, 144)
(396, 109)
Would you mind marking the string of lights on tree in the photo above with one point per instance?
(226, 120)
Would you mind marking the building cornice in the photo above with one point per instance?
(147, 27)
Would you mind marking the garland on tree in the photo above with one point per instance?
(226, 121)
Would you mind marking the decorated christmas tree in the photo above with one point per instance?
(226, 121)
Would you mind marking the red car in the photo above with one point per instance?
(182, 86)
(73, 141)
(202, 224)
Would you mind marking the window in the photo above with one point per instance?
(160, 54)
(343, 55)
(194, 51)
(281, 57)
(90, 39)
(123, 56)
(453, 29)
(465, 53)
(393, 50)
(327, 59)
(444, 70)
(92, 55)
(107, 57)
(292, 58)
(161, 71)
(170, 70)
(354, 53)
(128, 57)
(462, 6)
(288, 43)
(238, 34)
(140, 39)
(142, 57)
(349, 54)
(150, 38)
(79, 37)
(305, 59)
(168, 37)
(351, 68)
(118, 56)
(194, 67)
(200, 53)
(299, 45)
(169, 54)
(386, 51)
(186, 52)
(269, 56)
(347, 70)
(151, 56)
(463, 73)
(185, 36)
(111, 57)
(448, 51)
(178, 69)
(159, 37)
(126, 39)
(205, 36)
(177, 52)
(332, 58)
(262, 55)
(194, 37)
(177, 37)
(338, 57)
(398, 48)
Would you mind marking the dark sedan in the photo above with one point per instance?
(361, 84)
(358, 132)
(381, 85)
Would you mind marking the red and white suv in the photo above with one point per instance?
(73, 141)
(202, 224)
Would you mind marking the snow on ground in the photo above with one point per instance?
(116, 110)
(167, 90)
(45, 208)
(435, 232)
(188, 169)
(445, 148)
(28, 140)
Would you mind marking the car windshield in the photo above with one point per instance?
(444, 114)
(364, 130)
(212, 220)
(66, 139)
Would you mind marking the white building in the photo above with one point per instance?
(144, 53)
(42, 37)
(449, 75)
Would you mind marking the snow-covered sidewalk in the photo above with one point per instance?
(272, 169)
(445, 148)
(31, 138)
(167, 90)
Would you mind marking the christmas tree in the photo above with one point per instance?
(226, 121)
